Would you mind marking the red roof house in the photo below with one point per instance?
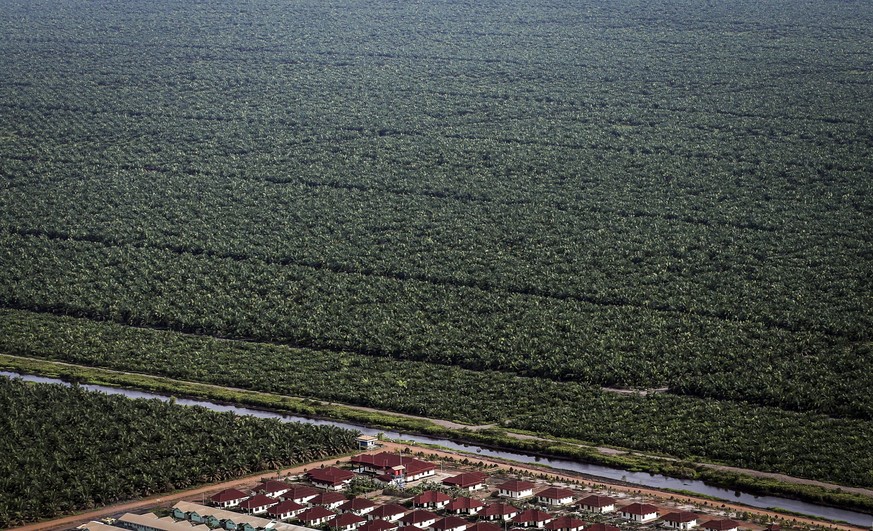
(315, 516)
(394, 465)
(555, 496)
(378, 525)
(499, 511)
(597, 504)
(602, 527)
(421, 519)
(465, 505)
(565, 523)
(640, 512)
(468, 480)
(228, 498)
(331, 477)
(450, 523)
(286, 509)
(721, 525)
(680, 520)
(390, 511)
(329, 500)
(258, 504)
(346, 522)
(484, 526)
(516, 489)
(431, 499)
(532, 518)
(300, 493)
(273, 488)
(358, 506)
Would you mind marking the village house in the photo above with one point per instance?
(285, 510)
(390, 512)
(465, 505)
(300, 494)
(272, 488)
(555, 496)
(329, 500)
(499, 511)
(565, 523)
(378, 525)
(680, 520)
(330, 478)
(597, 504)
(469, 480)
(532, 518)
(358, 506)
(640, 513)
(315, 516)
(484, 526)
(421, 519)
(602, 527)
(450, 523)
(346, 522)
(431, 499)
(721, 525)
(228, 498)
(258, 504)
(388, 466)
(516, 489)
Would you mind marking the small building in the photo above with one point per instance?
(602, 527)
(272, 488)
(680, 520)
(315, 516)
(469, 480)
(421, 519)
(597, 504)
(330, 478)
(640, 513)
(555, 496)
(721, 525)
(329, 500)
(390, 512)
(532, 518)
(285, 510)
(300, 494)
(258, 504)
(358, 506)
(450, 523)
(393, 466)
(366, 442)
(346, 522)
(431, 499)
(566, 523)
(465, 505)
(228, 498)
(516, 489)
(484, 526)
(378, 525)
(499, 511)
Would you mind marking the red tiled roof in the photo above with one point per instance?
(449, 522)
(378, 525)
(389, 509)
(260, 500)
(467, 479)
(602, 527)
(228, 495)
(409, 528)
(298, 492)
(346, 519)
(328, 498)
(517, 486)
(315, 513)
(387, 460)
(720, 525)
(499, 509)
(287, 506)
(597, 501)
(680, 517)
(555, 493)
(419, 516)
(431, 496)
(271, 485)
(640, 509)
(532, 515)
(565, 522)
(484, 526)
(464, 502)
(331, 475)
(356, 504)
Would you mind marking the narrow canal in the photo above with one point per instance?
(656, 481)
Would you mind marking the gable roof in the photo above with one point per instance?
(597, 501)
(431, 496)
(483, 526)
(387, 460)
(517, 485)
(464, 502)
(378, 525)
(346, 519)
(640, 509)
(315, 513)
(449, 522)
(499, 509)
(532, 515)
(565, 522)
(720, 525)
(259, 500)
(556, 493)
(602, 527)
(286, 506)
(356, 504)
(680, 517)
(389, 509)
(419, 516)
(228, 495)
(331, 475)
(298, 492)
(328, 498)
(271, 485)
(467, 479)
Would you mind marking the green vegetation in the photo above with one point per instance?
(392, 203)
(67, 449)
